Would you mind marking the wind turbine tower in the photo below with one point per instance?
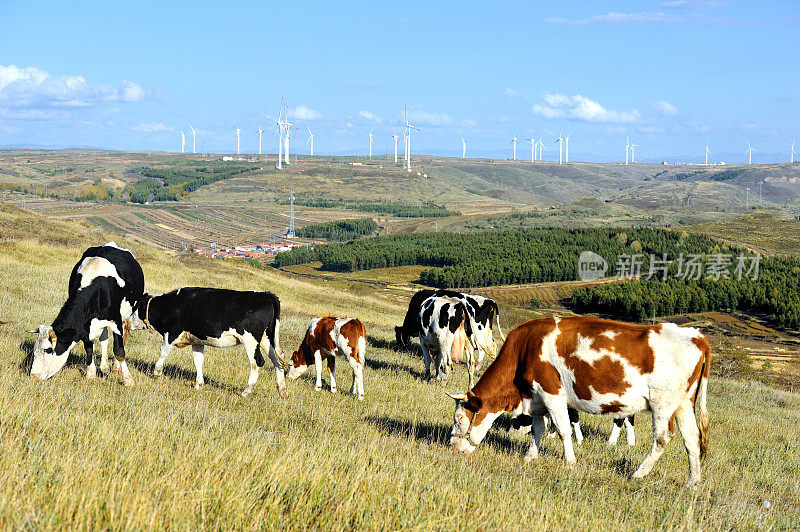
(287, 126)
(533, 148)
(541, 146)
(633, 152)
(395, 146)
(514, 142)
(183, 141)
(194, 139)
(409, 127)
(238, 130)
(707, 152)
(463, 148)
(260, 132)
(566, 149)
(791, 157)
(560, 140)
(311, 140)
(627, 149)
(370, 144)
(279, 164)
(749, 151)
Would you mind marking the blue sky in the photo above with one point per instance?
(671, 74)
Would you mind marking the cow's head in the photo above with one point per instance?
(401, 338)
(50, 352)
(298, 364)
(470, 422)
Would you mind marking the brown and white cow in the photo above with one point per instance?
(596, 366)
(325, 338)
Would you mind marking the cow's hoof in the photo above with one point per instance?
(283, 393)
(529, 457)
(128, 383)
(158, 372)
(334, 390)
(360, 397)
(317, 388)
(198, 385)
(105, 370)
(117, 370)
(692, 484)
(91, 373)
(246, 392)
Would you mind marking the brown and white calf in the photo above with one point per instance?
(596, 366)
(325, 338)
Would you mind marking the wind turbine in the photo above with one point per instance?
(310, 140)
(279, 165)
(791, 159)
(560, 140)
(633, 152)
(533, 148)
(183, 141)
(194, 138)
(238, 130)
(566, 149)
(370, 144)
(627, 149)
(514, 142)
(395, 146)
(286, 133)
(464, 148)
(260, 132)
(749, 151)
(707, 152)
(409, 127)
(541, 146)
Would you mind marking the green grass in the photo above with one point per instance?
(94, 455)
(760, 230)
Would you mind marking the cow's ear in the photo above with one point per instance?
(52, 336)
(457, 397)
(34, 331)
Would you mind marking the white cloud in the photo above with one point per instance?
(510, 92)
(559, 106)
(369, 116)
(467, 122)
(642, 17)
(419, 117)
(666, 108)
(33, 88)
(151, 127)
(301, 112)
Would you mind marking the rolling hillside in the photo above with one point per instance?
(96, 455)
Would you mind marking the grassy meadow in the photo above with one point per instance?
(94, 455)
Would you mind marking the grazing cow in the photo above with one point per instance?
(325, 338)
(446, 326)
(105, 287)
(596, 366)
(475, 303)
(220, 318)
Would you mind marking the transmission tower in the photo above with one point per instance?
(290, 232)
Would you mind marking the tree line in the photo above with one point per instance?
(401, 210)
(175, 182)
(341, 230)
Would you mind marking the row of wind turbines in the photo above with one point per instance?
(537, 146)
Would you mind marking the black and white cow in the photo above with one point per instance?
(522, 423)
(105, 287)
(447, 329)
(220, 318)
(475, 303)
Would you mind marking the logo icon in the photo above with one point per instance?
(591, 266)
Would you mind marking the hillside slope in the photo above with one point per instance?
(96, 455)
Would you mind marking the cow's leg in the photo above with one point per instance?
(537, 431)
(470, 366)
(332, 369)
(575, 421)
(630, 435)
(559, 414)
(426, 357)
(91, 370)
(318, 368)
(358, 377)
(616, 427)
(166, 349)
(661, 436)
(104, 338)
(687, 423)
(198, 354)
(272, 353)
(250, 346)
(119, 355)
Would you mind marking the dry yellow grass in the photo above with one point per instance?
(89, 455)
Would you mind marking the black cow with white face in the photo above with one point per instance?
(220, 318)
(475, 304)
(105, 287)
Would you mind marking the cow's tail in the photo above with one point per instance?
(497, 318)
(701, 397)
